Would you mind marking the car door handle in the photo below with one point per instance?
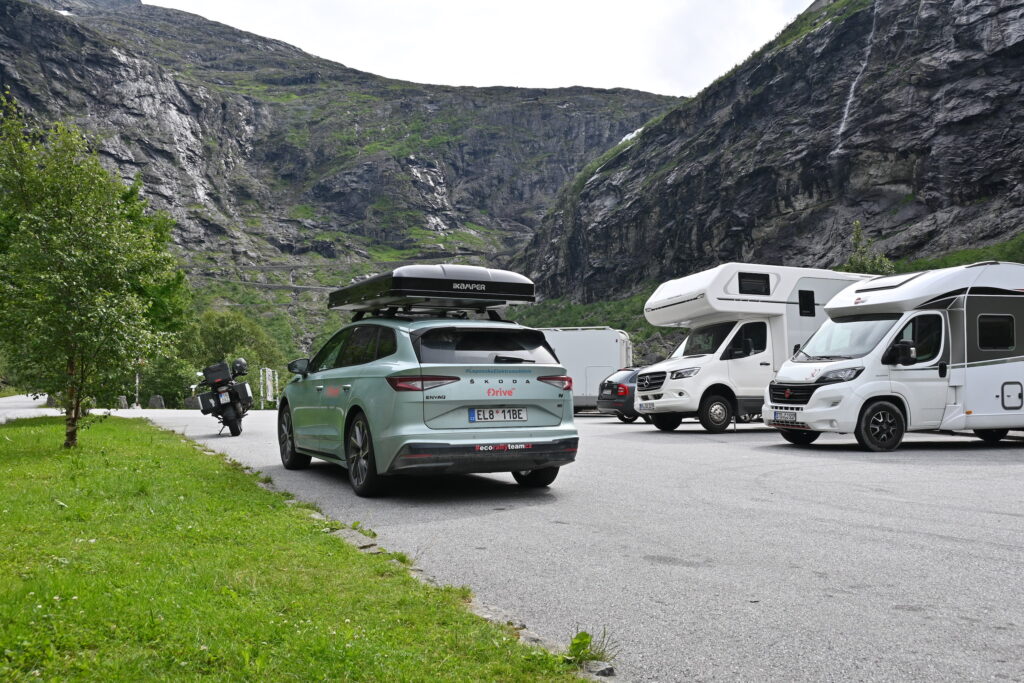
(320, 388)
(346, 387)
(766, 364)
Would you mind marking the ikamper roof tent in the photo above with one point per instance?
(435, 287)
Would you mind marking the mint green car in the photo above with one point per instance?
(393, 395)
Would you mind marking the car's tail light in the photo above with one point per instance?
(419, 382)
(560, 381)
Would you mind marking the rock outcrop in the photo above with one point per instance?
(903, 114)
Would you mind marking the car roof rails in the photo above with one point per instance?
(435, 290)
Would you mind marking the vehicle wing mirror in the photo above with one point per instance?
(900, 353)
(908, 354)
(299, 367)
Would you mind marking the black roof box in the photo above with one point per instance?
(435, 287)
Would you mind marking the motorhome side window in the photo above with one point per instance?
(925, 333)
(995, 332)
(750, 340)
(754, 283)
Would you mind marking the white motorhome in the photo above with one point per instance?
(589, 354)
(935, 350)
(744, 320)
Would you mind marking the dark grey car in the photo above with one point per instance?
(616, 395)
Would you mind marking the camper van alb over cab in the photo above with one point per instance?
(744, 320)
(935, 350)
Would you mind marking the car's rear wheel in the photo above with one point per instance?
(290, 458)
(800, 437)
(626, 418)
(535, 479)
(666, 422)
(362, 468)
(991, 435)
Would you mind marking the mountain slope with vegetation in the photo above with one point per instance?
(901, 114)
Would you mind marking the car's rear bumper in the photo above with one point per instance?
(622, 405)
(484, 456)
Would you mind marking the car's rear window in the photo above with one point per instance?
(467, 345)
(624, 376)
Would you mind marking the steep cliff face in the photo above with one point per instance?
(270, 158)
(903, 114)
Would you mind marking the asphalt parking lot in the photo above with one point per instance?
(731, 556)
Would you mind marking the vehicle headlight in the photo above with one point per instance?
(684, 373)
(844, 375)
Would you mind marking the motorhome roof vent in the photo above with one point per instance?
(429, 288)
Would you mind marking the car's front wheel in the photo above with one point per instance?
(362, 468)
(290, 458)
(535, 479)
(715, 413)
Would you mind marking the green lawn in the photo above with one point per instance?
(140, 556)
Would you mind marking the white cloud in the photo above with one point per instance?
(673, 47)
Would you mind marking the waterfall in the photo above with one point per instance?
(856, 81)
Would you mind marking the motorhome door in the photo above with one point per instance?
(749, 357)
(924, 384)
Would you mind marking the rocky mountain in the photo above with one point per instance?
(288, 173)
(907, 115)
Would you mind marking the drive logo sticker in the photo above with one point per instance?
(504, 447)
(501, 392)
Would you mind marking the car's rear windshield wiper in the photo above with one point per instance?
(512, 359)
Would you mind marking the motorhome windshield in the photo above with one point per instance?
(851, 336)
(703, 340)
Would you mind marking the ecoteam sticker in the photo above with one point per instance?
(504, 447)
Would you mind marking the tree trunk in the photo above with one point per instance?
(71, 408)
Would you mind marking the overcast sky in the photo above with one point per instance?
(671, 47)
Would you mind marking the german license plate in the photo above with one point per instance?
(785, 416)
(645, 406)
(497, 414)
(224, 398)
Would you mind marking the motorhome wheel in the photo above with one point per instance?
(991, 435)
(666, 422)
(290, 458)
(715, 413)
(800, 437)
(881, 427)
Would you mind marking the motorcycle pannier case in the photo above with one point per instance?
(207, 402)
(242, 393)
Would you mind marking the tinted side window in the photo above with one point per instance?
(463, 345)
(360, 348)
(995, 332)
(755, 283)
(324, 358)
(386, 343)
(925, 333)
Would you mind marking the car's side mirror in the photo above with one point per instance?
(900, 353)
(299, 367)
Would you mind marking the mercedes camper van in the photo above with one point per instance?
(743, 320)
(935, 350)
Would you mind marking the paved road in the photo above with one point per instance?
(731, 556)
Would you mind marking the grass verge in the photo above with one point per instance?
(139, 556)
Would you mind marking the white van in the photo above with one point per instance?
(935, 350)
(589, 354)
(744, 319)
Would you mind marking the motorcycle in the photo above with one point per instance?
(227, 399)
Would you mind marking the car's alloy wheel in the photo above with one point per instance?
(290, 458)
(881, 427)
(362, 470)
